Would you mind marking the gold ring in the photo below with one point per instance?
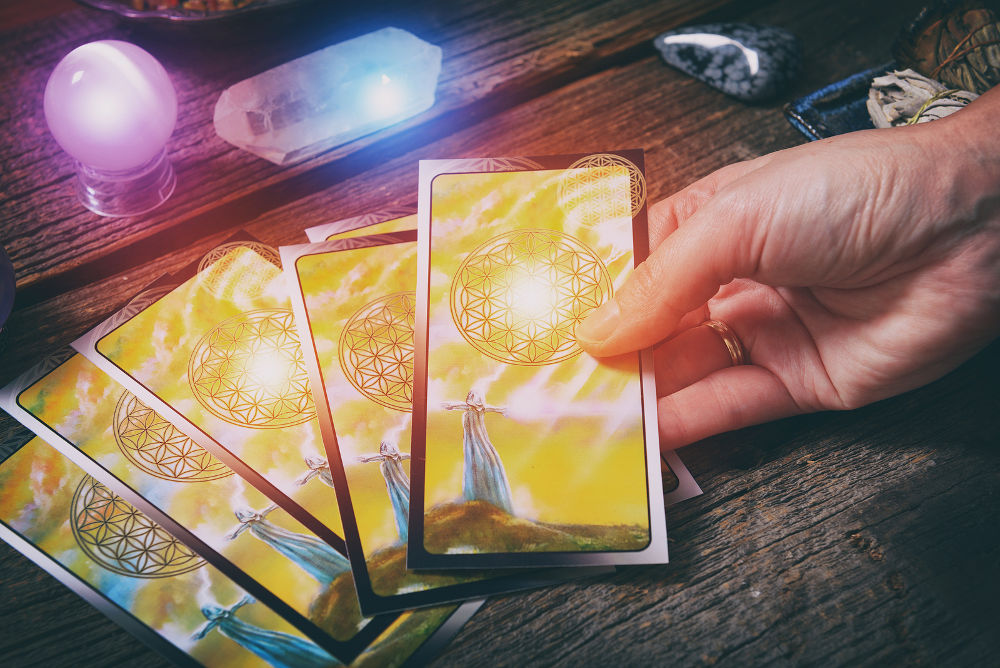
(733, 344)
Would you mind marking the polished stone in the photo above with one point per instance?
(746, 61)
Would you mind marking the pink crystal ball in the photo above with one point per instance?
(110, 105)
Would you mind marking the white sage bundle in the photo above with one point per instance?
(904, 97)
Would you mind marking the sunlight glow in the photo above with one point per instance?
(269, 370)
(532, 297)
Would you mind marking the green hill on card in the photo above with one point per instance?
(335, 609)
(477, 526)
(474, 526)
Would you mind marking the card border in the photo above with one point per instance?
(371, 602)
(86, 345)
(319, 233)
(687, 486)
(425, 652)
(656, 551)
(345, 651)
(117, 614)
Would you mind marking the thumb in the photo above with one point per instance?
(684, 271)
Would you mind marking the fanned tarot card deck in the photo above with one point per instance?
(256, 466)
(218, 356)
(132, 451)
(354, 304)
(146, 580)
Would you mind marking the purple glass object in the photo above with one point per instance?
(111, 106)
(6, 287)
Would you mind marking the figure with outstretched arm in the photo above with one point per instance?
(281, 650)
(484, 477)
(311, 554)
(397, 483)
(318, 467)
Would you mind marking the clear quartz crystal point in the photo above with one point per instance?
(330, 97)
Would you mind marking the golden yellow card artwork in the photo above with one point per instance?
(385, 221)
(81, 532)
(219, 356)
(528, 445)
(80, 526)
(136, 446)
(357, 317)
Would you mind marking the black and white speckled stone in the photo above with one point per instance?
(749, 62)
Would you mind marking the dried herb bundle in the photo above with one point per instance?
(905, 97)
(956, 42)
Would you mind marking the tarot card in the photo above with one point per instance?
(134, 452)
(397, 219)
(216, 354)
(526, 451)
(140, 576)
(354, 306)
(678, 483)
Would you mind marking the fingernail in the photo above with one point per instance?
(600, 324)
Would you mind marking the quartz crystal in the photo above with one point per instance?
(750, 62)
(330, 97)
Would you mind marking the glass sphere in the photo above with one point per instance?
(110, 105)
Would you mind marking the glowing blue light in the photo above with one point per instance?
(384, 98)
(330, 97)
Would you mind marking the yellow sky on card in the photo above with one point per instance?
(572, 439)
(335, 285)
(37, 485)
(77, 400)
(156, 345)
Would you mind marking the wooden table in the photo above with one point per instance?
(861, 537)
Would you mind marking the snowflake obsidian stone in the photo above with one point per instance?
(746, 61)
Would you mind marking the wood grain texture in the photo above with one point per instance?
(821, 540)
(497, 54)
(853, 538)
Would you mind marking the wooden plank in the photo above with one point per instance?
(837, 538)
(687, 129)
(16, 13)
(497, 54)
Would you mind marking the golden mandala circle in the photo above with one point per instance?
(590, 194)
(226, 273)
(121, 539)
(519, 297)
(249, 371)
(376, 350)
(156, 447)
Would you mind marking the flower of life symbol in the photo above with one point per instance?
(156, 447)
(226, 272)
(519, 297)
(590, 193)
(121, 539)
(376, 350)
(249, 371)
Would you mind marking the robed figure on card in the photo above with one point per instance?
(484, 478)
(397, 483)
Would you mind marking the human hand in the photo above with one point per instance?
(852, 269)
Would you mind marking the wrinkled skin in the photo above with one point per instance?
(853, 269)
